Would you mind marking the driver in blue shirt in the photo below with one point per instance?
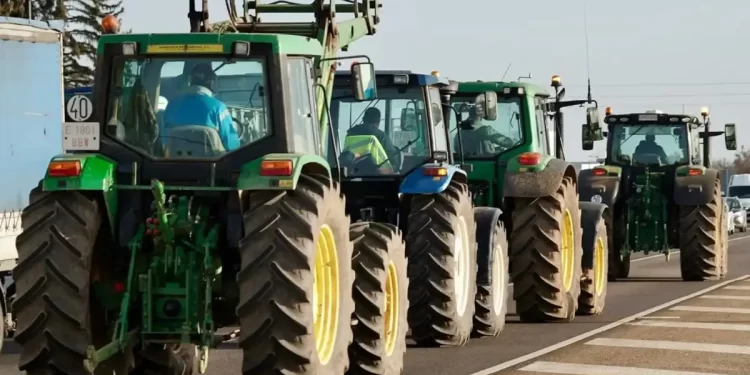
(198, 106)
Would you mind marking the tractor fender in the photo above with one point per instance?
(591, 215)
(598, 189)
(97, 173)
(695, 190)
(417, 182)
(251, 178)
(522, 183)
(486, 218)
(3, 302)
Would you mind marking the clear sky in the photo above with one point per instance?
(657, 54)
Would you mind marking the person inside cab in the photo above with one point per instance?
(480, 139)
(198, 106)
(649, 146)
(370, 126)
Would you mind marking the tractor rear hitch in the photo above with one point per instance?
(94, 357)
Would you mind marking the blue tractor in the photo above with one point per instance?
(398, 174)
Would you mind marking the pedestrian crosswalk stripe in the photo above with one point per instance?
(731, 310)
(734, 298)
(582, 369)
(697, 325)
(671, 345)
(737, 287)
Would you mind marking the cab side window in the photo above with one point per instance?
(304, 121)
(436, 111)
(541, 125)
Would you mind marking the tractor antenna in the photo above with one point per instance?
(586, 35)
(506, 72)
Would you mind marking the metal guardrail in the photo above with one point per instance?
(10, 222)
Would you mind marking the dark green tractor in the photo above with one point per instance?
(152, 232)
(661, 190)
(557, 244)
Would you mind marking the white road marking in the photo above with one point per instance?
(576, 339)
(696, 325)
(661, 317)
(581, 369)
(671, 345)
(677, 252)
(709, 309)
(735, 298)
(737, 288)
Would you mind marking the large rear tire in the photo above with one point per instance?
(55, 252)
(380, 300)
(491, 303)
(619, 266)
(700, 239)
(594, 287)
(295, 280)
(442, 271)
(545, 248)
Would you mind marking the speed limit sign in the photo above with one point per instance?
(79, 108)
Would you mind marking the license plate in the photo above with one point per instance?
(81, 136)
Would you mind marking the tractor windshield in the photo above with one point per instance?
(386, 136)
(481, 138)
(193, 107)
(649, 144)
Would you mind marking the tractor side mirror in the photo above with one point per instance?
(730, 137)
(487, 101)
(587, 141)
(363, 81)
(592, 120)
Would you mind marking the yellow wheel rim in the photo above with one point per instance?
(599, 267)
(325, 295)
(568, 250)
(391, 309)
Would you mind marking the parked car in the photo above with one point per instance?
(730, 222)
(737, 213)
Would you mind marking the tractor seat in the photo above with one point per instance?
(193, 141)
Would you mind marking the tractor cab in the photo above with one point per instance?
(393, 142)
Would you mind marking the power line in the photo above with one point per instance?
(667, 84)
(707, 95)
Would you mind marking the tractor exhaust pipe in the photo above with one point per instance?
(706, 138)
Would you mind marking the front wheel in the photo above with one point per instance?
(295, 280)
(491, 303)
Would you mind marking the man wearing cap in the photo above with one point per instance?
(649, 146)
(480, 139)
(198, 106)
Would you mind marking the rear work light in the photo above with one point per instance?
(64, 168)
(276, 168)
(530, 158)
(695, 172)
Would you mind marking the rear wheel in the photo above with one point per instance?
(491, 304)
(380, 300)
(55, 322)
(594, 287)
(700, 239)
(545, 248)
(619, 266)
(442, 271)
(295, 280)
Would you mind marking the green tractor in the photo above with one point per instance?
(659, 195)
(153, 232)
(558, 245)
(404, 179)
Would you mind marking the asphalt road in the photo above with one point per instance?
(527, 349)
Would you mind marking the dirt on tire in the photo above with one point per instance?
(434, 315)
(377, 246)
(536, 255)
(278, 254)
